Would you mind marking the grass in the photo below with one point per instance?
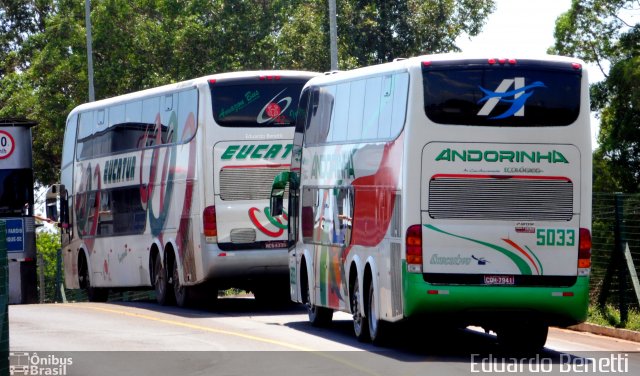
(610, 316)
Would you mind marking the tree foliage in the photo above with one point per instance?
(48, 244)
(139, 44)
(598, 31)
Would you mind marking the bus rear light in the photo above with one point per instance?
(512, 61)
(576, 66)
(212, 81)
(414, 249)
(584, 249)
(491, 61)
(269, 78)
(209, 224)
(426, 63)
(438, 292)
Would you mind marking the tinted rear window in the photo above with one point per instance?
(256, 103)
(524, 94)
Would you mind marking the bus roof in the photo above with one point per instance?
(189, 84)
(417, 61)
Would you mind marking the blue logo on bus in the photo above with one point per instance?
(517, 97)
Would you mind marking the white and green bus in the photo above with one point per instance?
(446, 189)
(166, 188)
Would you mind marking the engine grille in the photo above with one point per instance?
(494, 198)
(248, 183)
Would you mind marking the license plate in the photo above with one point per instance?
(499, 280)
(275, 244)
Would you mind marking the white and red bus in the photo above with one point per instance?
(443, 188)
(169, 187)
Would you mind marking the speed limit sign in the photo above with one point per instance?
(7, 145)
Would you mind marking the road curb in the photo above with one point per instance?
(629, 335)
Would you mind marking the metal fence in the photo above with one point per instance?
(616, 251)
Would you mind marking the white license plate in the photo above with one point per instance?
(499, 280)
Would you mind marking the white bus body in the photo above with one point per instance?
(167, 187)
(445, 188)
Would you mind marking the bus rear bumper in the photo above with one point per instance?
(489, 305)
(246, 263)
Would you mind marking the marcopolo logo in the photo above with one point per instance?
(520, 94)
(491, 156)
(24, 363)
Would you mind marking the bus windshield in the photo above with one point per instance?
(515, 94)
(16, 192)
(264, 103)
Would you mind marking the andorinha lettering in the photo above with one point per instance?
(332, 166)
(119, 170)
(261, 151)
(517, 156)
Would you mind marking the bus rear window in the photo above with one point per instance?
(525, 94)
(256, 103)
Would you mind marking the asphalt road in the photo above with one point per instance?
(239, 337)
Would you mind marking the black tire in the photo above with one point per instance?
(378, 329)
(164, 290)
(94, 294)
(360, 323)
(527, 337)
(318, 316)
(181, 293)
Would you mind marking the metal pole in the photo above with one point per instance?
(333, 35)
(43, 285)
(87, 18)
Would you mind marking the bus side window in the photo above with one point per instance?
(309, 208)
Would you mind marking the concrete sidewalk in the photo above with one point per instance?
(629, 335)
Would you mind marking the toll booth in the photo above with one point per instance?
(17, 208)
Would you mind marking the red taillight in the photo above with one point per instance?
(491, 61)
(426, 63)
(209, 221)
(584, 249)
(414, 245)
(512, 61)
(576, 66)
(269, 78)
(212, 81)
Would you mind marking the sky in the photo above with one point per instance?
(523, 27)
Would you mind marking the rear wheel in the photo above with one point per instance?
(164, 292)
(94, 294)
(377, 328)
(181, 292)
(318, 316)
(526, 337)
(360, 323)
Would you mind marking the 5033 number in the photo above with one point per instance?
(556, 237)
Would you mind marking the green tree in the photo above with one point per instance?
(48, 244)
(596, 31)
(139, 44)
